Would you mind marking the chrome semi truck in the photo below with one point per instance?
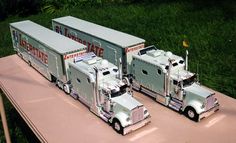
(115, 46)
(96, 83)
(158, 73)
(164, 76)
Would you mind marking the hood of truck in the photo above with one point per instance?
(127, 101)
(198, 90)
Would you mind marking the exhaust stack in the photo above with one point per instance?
(186, 61)
(168, 78)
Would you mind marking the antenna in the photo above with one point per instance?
(197, 73)
(120, 68)
(186, 61)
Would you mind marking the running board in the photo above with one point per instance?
(159, 98)
(175, 104)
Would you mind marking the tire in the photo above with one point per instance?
(66, 88)
(29, 62)
(191, 114)
(116, 125)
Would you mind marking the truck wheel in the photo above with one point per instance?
(191, 114)
(117, 126)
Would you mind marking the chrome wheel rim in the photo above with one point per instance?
(191, 114)
(117, 126)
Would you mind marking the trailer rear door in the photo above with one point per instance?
(53, 64)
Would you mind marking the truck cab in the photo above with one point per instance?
(96, 83)
(162, 75)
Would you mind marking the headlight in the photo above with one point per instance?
(145, 111)
(203, 105)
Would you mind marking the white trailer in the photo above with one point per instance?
(45, 50)
(104, 42)
(95, 82)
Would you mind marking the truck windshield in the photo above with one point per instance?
(189, 81)
(118, 93)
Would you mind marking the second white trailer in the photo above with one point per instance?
(110, 44)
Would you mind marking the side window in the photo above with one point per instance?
(159, 71)
(145, 72)
(175, 82)
(88, 80)
(78, 80)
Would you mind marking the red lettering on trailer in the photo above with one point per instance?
(69, 56)
(91, 47)
(131, 49)
(43, 57)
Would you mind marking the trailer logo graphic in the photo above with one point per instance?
(70, 56)
(38, 54)
(135, 48)
(91, 47)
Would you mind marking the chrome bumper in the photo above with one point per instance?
(209, 112)
(136, 126)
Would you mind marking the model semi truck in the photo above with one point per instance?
(164, 76)
(155, 72)
(96, 83)
(105, 42)
(84, 76)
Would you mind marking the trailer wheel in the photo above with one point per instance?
(29, 62)
(117, 126)
(191, 114)
(66, 88)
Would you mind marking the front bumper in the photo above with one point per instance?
(209, 112)
(136, 126)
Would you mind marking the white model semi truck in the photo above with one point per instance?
(96, 83)
(45, 50)
(104, 42)
(158, 73)
(163, 76)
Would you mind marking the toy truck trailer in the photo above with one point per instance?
(95, 82)
(45, 50)
(104, 42)
(163, 76)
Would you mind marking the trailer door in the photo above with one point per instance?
(53, 64)
(111, 55)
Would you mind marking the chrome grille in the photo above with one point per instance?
(210, 102)
(137, 114)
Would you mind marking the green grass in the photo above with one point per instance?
(210, 30)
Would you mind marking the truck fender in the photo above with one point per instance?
(196, 105)
(122, 118)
